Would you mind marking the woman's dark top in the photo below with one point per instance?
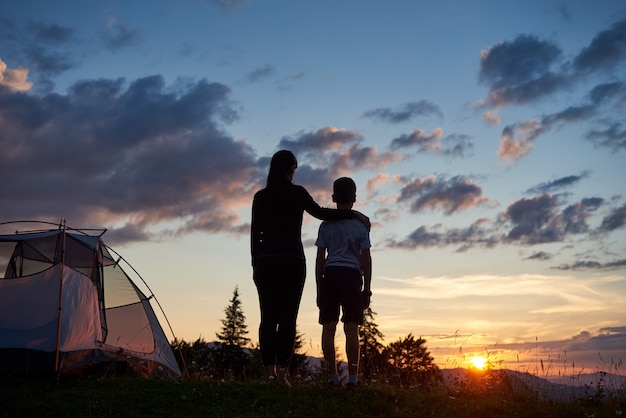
(277, 220)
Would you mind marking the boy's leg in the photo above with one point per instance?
(328, 303)
(328, 345)
(351, 330)
(352, 317)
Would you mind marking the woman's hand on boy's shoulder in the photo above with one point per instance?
(363, 219)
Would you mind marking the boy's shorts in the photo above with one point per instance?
(340, 286)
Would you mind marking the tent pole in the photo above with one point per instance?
(58, 348)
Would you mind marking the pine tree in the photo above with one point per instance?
(298, 343)
(231, 360)
(234, 328)
(371, 360)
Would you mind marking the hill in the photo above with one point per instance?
(110, 396)
(598, 386)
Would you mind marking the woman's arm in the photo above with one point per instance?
(363, 219)
(327, 214)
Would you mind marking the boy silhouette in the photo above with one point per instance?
(342, 268)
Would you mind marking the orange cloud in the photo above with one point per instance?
(14, 79)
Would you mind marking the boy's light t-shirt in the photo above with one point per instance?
(344, 241)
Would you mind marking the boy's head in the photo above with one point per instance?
(344, 191)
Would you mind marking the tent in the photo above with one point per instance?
(68, 306)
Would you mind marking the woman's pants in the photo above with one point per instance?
(279, 282)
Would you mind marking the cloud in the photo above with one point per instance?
(530, 91)
(316, 143)
(488, 309)
(381, 179)
(593, 265)
(613, 137)
(521, 71)
(528, 69)
(404, 113)
(329, 153)
(556, 185)
(335, 152)
(343, 162)
(602, 92)
(518, 139)
(50, 33)
(8, 30)
(457, 145)
(558, 288)
(606, 339)
(539, 255)
(49, 62)
(136, 156)
(598, 350)
(526, 63)
(373, 184)
(424, 142)
(450, 195)
(14, 80)
(480, 233)
(538, 220)
(118, 35)
(615, 220)
(534, 221)
(228, 6)
(492, 117)
(261, 74)
(565, 12)
(434, 143)
(40, 47)
(569, 115)
(607, 330)
(605, 51)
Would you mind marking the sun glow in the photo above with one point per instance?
(479, 363)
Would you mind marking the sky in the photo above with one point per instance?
(487, 140)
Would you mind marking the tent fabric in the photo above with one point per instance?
(63, 291)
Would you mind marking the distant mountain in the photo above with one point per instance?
(560, 388)
(584, 379)
(554, 388)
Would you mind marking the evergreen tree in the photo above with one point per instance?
(229, 357)
(411, 362)
(298, 342)
(234, 328)
(371, 360)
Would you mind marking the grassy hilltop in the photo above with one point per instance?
(486, 395)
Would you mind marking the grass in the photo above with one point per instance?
(134, 397)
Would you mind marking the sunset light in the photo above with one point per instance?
(479, 363)
(486, 141)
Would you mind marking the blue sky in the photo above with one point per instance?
(487, 142)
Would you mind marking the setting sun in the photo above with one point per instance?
(479, 362)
